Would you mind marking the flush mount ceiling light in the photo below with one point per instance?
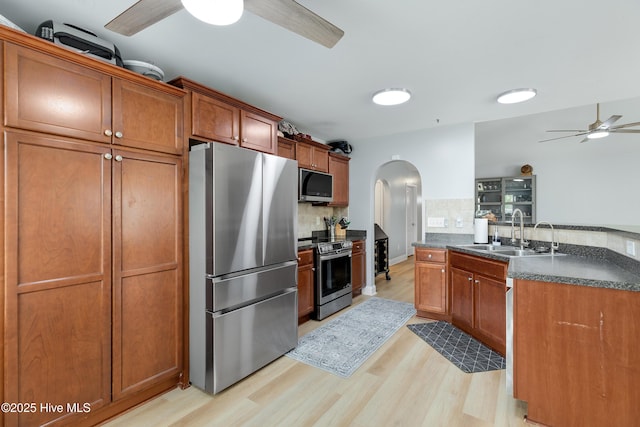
(516, 95)
(393, 96)
(215, 12)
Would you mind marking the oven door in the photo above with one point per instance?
(334, 276)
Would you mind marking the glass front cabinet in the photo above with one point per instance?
(502, 196)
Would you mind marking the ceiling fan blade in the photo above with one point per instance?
(143, 14)
(607, 123)
(618, 130)
(566, 136)
(568, 130)
(626, 125)
(584, 140)
(297, 18)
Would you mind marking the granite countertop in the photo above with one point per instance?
(323, 236)
(566, 268)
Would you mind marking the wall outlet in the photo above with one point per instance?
(459, 223)
(436, 222)
(631, 248)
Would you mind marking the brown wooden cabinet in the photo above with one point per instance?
(575, 354)
(431, 290)
(216, 116)
(306, 299)
(313, 155)
(93, 241)
(56, 96)
(478, 298)
(339, 168)
(358, 267)
(286, 148)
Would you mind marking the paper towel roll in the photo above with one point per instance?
(481, 230)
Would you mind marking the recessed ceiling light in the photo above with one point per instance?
(517, 95)
(393, 96)
(215, 12)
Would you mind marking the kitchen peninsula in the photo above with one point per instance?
(573, 330)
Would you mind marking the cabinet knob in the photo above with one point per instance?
(442, 270)
(108, 156)
(244, 139)
(477, 281)
(118, 134)
(429, 256)
(108, 132)
(118, 158)
(236, 137)
(469, 279)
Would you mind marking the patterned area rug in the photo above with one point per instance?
(459, 348)
(341, 345)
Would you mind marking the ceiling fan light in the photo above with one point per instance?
(598, 134)
(516, 95)
(215, 12)
(393, 96)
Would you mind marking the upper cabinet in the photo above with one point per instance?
(56, 96)
(502, 196)
(219, 117)
(313, 155)
(286, 148)
(339, 168)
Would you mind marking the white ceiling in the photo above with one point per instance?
(454, 56)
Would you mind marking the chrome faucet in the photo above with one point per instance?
(523, 242)
(554, 245)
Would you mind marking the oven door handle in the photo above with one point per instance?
(336, 255)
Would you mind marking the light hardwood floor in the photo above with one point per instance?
(404, 383)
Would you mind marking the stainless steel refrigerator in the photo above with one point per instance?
(243, 262)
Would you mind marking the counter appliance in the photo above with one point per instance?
(243, 262)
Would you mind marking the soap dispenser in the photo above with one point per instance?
(496, 237)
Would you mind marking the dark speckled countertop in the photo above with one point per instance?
(605, 270)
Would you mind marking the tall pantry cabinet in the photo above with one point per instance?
(93, 235)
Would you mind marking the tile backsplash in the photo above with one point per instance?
(311, 217)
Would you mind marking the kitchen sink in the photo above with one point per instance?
(510, 251)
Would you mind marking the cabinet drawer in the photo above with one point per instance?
(358, 246)
(305, 257)
(431, 255)
(486, 267)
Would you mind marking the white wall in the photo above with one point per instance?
(444, 158)
(591, 183)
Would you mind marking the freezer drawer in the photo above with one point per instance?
(234, 291)
(249, 338)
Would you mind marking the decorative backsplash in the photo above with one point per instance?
(310, 217)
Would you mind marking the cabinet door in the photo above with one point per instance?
(286, 149)
(339, 168)
(214, 120)
(490, 311)
(305, 283)
(462, 298)
(147, 118)
(321, 159)
(258, 133)
(58, 274)
(304, 155)
(357, 272)
(431, 287)
(147, 236)
(51, 95)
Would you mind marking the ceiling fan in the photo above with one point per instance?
(286, 13)
(598, 129)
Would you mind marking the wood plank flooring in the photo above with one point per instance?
(405, 383)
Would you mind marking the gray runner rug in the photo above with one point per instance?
(346, 342)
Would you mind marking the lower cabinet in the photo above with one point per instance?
(358, 267)
(305, 285)
(431, 290)
(575, 354)
(93, 277)
(478, 298)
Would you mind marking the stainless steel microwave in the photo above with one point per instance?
(314, 186)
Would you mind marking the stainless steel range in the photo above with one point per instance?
(333, 277)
